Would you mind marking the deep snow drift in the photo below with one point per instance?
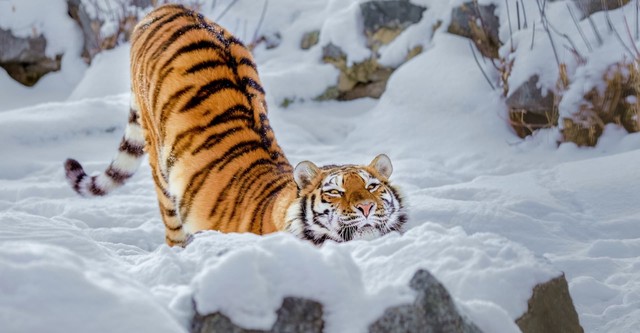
(491, 215)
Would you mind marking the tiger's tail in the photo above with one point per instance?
(122, 167)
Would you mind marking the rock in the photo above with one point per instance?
(90, 29)
(24, 59)
(362, 79)
(94, 41)
(432, 311)
(613, 101)
(333, 54)
(295, 315)
(588, 7)
(550, 310)
(385, 20)
(310, 39)
(480, 24)
(529, 110)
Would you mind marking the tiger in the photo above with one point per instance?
(198, 110)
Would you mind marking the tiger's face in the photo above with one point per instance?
(343, 203)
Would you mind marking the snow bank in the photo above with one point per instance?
(491, 215)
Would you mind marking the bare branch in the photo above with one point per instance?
(518, 13)
(475, 57)
(577, 24)
(533, 34)
(231, 4)
(262, 15)
(633, 43)
(545, 25)
(524, 13)
(615, 32)
(566, 37)
(510, 30)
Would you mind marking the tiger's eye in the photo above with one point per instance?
(333, 192)
(372, 187)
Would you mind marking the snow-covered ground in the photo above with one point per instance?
(491, 215)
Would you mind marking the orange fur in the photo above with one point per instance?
(213, 155)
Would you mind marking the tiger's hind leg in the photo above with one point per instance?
(174, 231)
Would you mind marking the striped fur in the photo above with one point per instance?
(198, 110)
(343, 203)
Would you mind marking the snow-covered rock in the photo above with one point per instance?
(25, 59)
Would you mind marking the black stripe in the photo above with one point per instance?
(78, 181)
(253, 84)
(156, 180)
(181, 32)
(303, 209)
(158, 86)
(248, 62)
(191, 47)
(131, 148)
(159, 24)
(95, 189)
(118, 176)
(168, 106)
(198, 46)
(237, 151)
(236, 112)
(248, 179)
(207, 64)
(215, 139)
(133, 116)
(209, 89)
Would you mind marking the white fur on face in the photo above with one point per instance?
(314, 219)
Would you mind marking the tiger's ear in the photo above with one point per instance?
(304, 173)
(382, 164)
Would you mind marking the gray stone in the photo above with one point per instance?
(528, 96)
(432, 311)
(529, 110)
(93, 40)
(550, 309)
(390, 15)
(588, 7)
(295, 315)
(480, 24)
(90, 29)
(24, 59)
(310, 39)
(332, 53)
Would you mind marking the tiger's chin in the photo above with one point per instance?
(367, 233)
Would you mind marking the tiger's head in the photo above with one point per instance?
(347, 202)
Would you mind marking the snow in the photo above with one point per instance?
(491, 215)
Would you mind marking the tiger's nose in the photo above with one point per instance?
(365, 208)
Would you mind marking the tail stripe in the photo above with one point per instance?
(122, 167)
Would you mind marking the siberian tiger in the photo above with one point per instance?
(198, 110)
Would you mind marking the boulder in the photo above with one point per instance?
(480, 24)
(295, 315)
(91, 25)
(550, 309)
(385, 20)
(432, 311)
(529, 110)
(24, 59)
(362, 79)
(588, 7)
(310, 39)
